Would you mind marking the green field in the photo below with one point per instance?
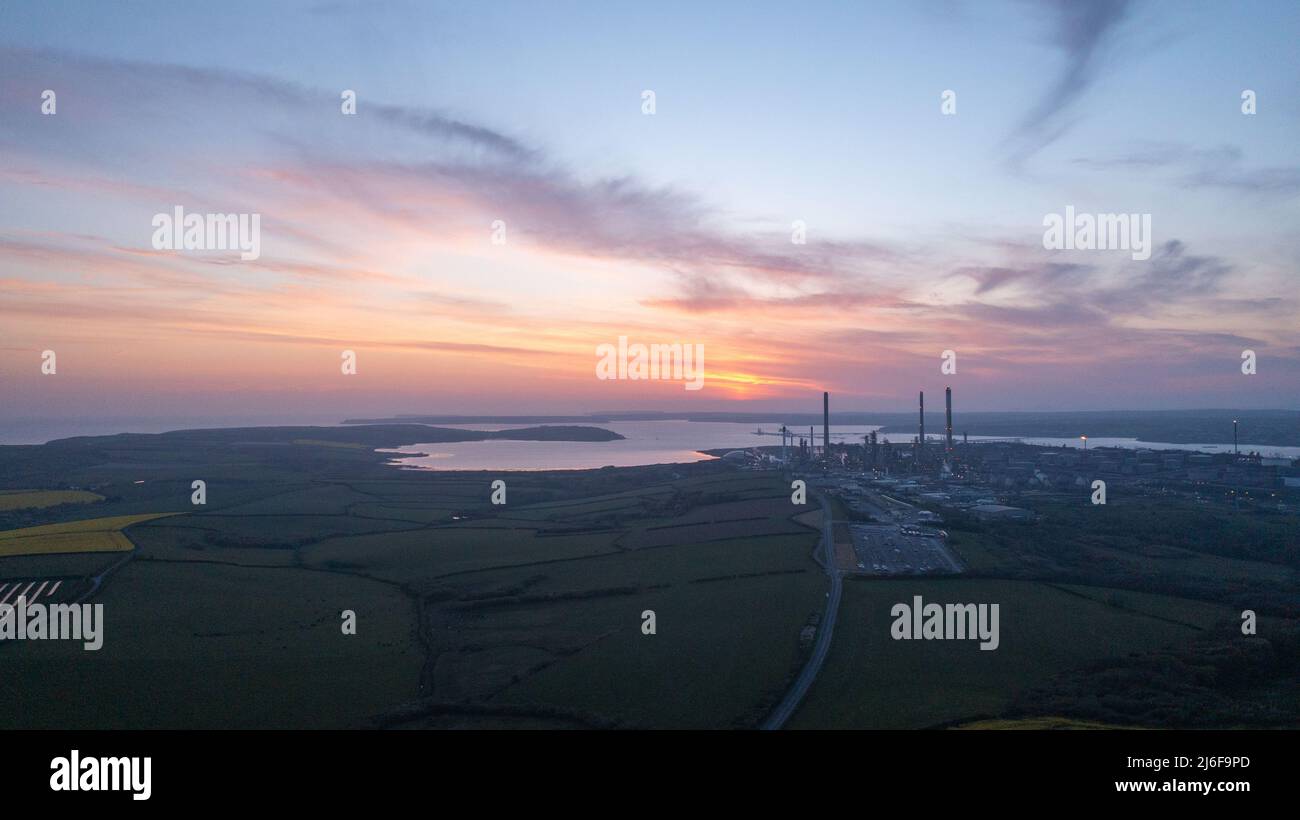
(568, 633)
(469, 614)
(872, 681)
(222, 647)
(1036, 724)
(29, 499)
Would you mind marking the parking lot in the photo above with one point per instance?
(885, 549)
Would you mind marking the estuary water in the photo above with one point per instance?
(644, 442)
(675, 442)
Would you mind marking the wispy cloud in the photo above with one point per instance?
(1079, 31)
(1222, 167)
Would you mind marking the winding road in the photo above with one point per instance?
(826, 557)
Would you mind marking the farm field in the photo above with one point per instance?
(222, 647)
(1245, 562)
(27, 499)
(715, 662)
(91, 535)
(872, 681)
(566, 635)
(468, 614)
(1034, 724)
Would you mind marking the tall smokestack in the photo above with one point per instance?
(921, 441)
(826, 425)
(948, 398)
(1234, 437)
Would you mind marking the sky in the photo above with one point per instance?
(381, 231)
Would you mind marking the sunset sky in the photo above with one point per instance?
(924, 231)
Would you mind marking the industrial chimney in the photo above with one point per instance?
(921, 440)
(948, 398)
(826, 425)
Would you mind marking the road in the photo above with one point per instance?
(822, 645)
(98, 580)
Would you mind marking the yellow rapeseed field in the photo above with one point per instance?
(91, 535)
(28, 499)
(1039, 723)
